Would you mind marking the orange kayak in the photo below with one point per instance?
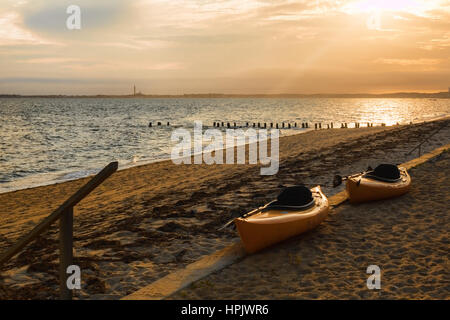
(272, 225)
(364, 187)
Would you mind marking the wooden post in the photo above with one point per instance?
(65, 251)
(65, 215)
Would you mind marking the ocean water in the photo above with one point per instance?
(50, 140)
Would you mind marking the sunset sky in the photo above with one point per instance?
(225, 46)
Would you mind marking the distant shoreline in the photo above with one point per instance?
(436, 95)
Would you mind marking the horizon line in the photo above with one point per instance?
(215, 94)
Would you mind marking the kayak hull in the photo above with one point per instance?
(360, 189)
(272, 226)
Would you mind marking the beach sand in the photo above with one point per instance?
(147, 221)
(406, 237)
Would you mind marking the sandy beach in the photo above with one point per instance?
(406, 237)
(147, 221)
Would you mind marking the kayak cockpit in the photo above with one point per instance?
(372, 176)
(289, 208)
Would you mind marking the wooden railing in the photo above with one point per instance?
(419, 146)
(65, 215)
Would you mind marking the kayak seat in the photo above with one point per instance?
(293, 198)
(274, 206)
(385, 173)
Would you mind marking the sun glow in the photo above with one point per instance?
(364, 6)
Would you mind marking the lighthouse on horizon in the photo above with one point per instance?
(134, 90)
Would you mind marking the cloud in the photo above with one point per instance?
(294, 44)
(49, 17)
(49, 60)
(44, 80)
(12, 32)
(165, 66)
(410, 62)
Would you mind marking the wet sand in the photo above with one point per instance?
(147, 221)
(406, 237)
